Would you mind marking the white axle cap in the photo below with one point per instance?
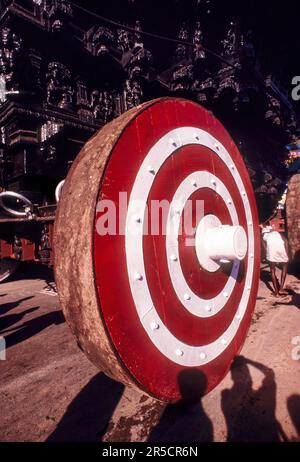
(217, 243)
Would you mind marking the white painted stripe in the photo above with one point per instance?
(195, 304)
(161, 337)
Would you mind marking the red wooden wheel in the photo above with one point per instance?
(152, 298)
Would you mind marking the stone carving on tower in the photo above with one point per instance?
(204, 85)
(182, 51)
(136, 61)
(133, 94)
(189, 72)
(102, 105)
(230, 50)
(273, 111)
(198, 52)
(99, 40)
(57, 14)
(123, 40)
(59, 86)
(10, 52)
(181, 75)
(231, 44)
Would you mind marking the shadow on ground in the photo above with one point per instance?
(88, 415)
(31, 327)
(265, 277)
(29, 270)
(293, 405)
(294, 299)
(249, 414)
(10, 320)
(6, 307)
(186, 420)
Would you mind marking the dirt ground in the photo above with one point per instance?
(49, 391)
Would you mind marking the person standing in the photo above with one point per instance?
(277, 255)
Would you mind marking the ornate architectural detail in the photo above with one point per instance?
(57, 13)
(229, 77)
(59, 86)
(133, 94)
(137, 36)
(232, 43)
(273, 112)
(102, 104)
(198, 52)
(291, 128)
(35, 61)
(82, 94)
(189, 73)
(83, 102)
(182, 78)
(10, 47)
(128, 40)
(239, 78)
(99, 40)
(48, 130)
(205, 90)
(2, 135)
(17, 248)
(137, 62)
(227, 80)
(45, 246)
(6, 164)
(182, 51)
(51, 154)
(123, 40)
(118, 104)
(4, 4)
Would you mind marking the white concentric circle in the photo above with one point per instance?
(195, 304)
(162, 338)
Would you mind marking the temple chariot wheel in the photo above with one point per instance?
(152, 307)
(293, 217)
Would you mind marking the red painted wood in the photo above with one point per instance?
(6, 249)
(183, 325)
(156, 374)
(28, 250)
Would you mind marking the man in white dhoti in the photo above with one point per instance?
(277, 255)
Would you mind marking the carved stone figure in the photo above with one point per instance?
(123, 42)
(102, 104)
(197, 41)
(10, 47)
(132, 93)
(45, 246)
(230, 43)
(138, 62)
(59, 86)
(182, 78)
(98, 40)
(57, 13)
(106, 102)
(273, 110)
(17, 248)
(181, 52)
